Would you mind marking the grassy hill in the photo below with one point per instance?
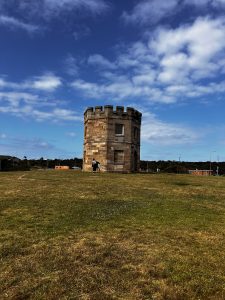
(73, 235)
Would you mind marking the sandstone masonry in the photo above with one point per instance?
(112, 137)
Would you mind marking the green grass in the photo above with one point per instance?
(73, 235)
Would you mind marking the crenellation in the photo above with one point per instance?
(119, 109)
(130, 111)
(108, 110)
(98, 109)
(89, 110)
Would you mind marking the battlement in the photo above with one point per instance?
(109, 111)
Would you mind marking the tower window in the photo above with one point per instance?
(135, 132)
(119, 129)
(118, 156)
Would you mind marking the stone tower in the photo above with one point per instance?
(112, 137)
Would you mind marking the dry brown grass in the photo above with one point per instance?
(80, 236)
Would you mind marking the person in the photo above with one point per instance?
(94, 165)
(98, 166)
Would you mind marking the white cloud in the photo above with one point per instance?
(57, 114)
(40, 108)
(15, 98)
(7, 84)
(13, 23)
(170, 66)
(48, 9)
(35, 147)
(71, 134)
(100, 61)
(71, 65)
(46, 82)
(87, 88)
(157, 132)
(121, 90)
(146, 11)
(28, 111)
(190, 51)
(25, 15)
(17, 146)
(201, 3)
(198, 2)
(2, 82)
(194, 38)
(150, 12)
(81, 31)
(144, 79)
(66, 114)
(219, 2)
(3, 136)
(56, 6)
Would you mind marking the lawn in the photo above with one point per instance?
(74, 235)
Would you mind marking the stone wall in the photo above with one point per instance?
(102, 143)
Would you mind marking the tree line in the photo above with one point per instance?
(8, 163)
(182, 167)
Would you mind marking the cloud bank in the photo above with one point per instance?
(151, 12)
(34, 98)
(35, 16)
(172, 65)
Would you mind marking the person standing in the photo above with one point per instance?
(94, 165)
(98, 166)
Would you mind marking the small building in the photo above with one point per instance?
(62, 167)
(112, 137)
(201, 172)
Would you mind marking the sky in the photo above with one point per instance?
(164, 58)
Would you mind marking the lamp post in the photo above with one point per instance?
(178, 165)
(217, 168)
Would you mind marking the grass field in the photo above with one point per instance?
(73, 235)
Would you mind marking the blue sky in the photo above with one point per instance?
(164, 58)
